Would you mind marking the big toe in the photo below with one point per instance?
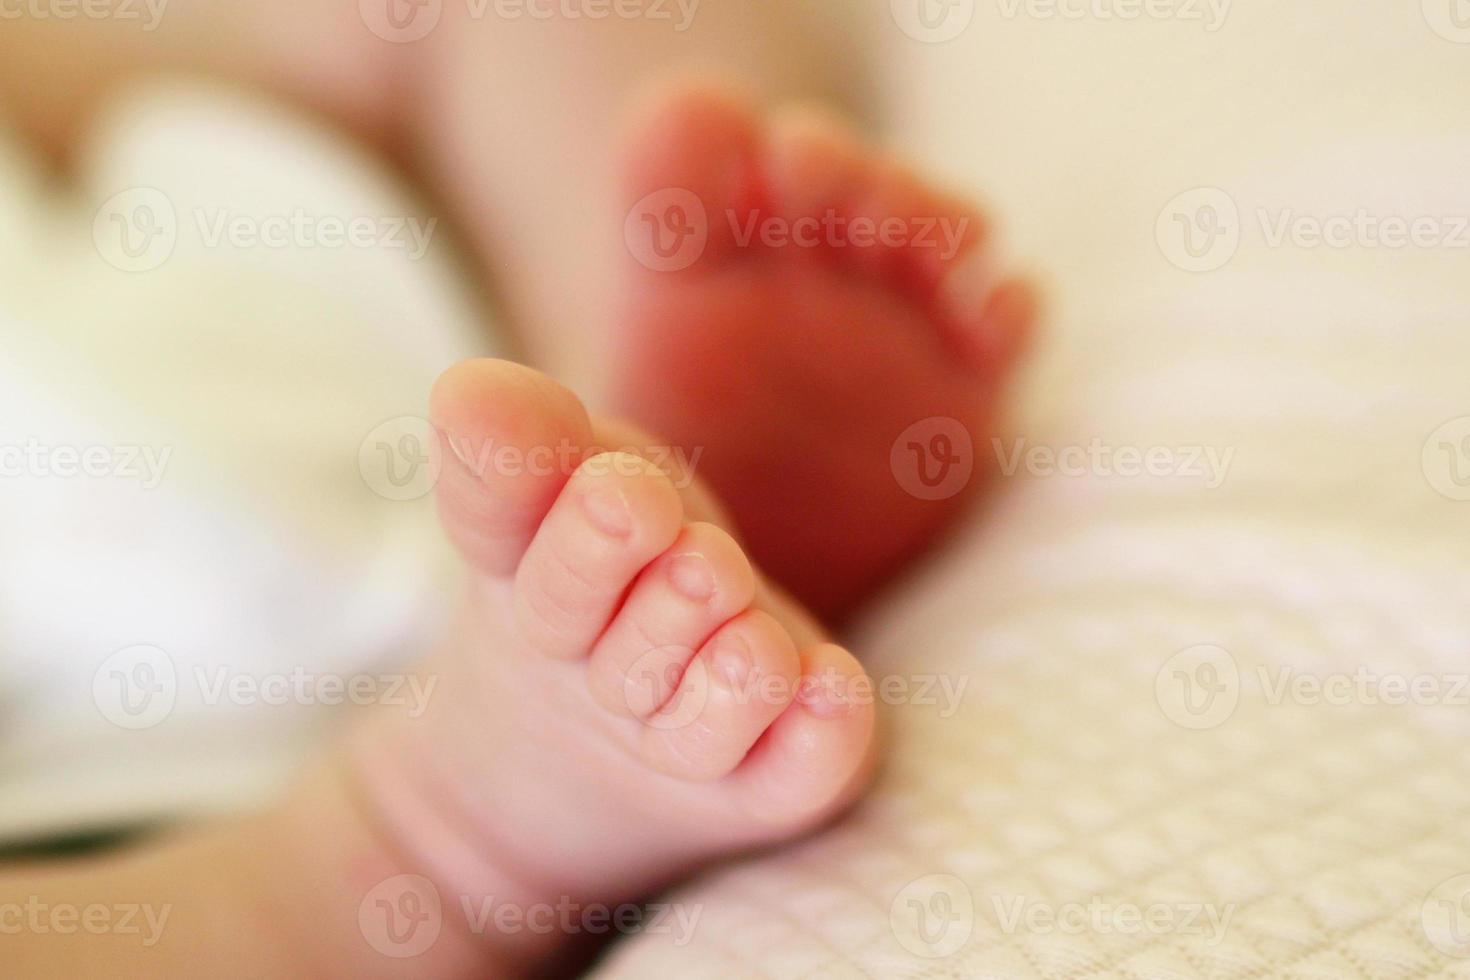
(511, 438)
(690, 175)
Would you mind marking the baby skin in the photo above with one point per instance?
(624, 698)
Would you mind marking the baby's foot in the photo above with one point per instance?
(793, 367)
(623, 699)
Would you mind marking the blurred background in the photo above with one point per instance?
(1252, 223)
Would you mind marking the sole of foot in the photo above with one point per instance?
(826, 331)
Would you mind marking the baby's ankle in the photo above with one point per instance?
(346, 899)
(470, 894)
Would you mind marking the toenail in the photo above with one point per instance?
(825, 695)
(608, 511)
(461, 450)
(692, 576)
(732, 661)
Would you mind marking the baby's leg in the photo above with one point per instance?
(55, 71)
(521, 122)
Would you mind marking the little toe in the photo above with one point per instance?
(990, 323)
(816, 757)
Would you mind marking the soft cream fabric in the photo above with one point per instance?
(1063, 780)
